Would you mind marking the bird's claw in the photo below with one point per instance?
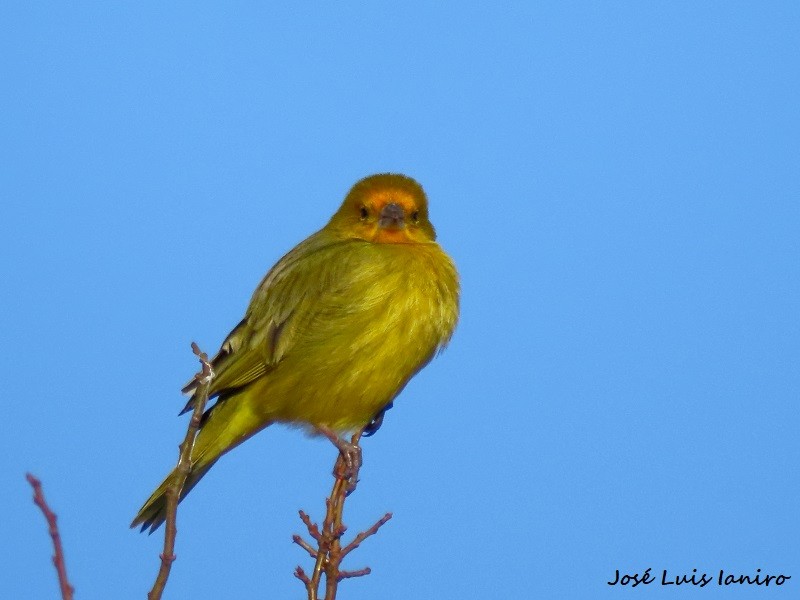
(373, 426)
(351, 454)
(347, 469)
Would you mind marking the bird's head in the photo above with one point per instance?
(385, 209)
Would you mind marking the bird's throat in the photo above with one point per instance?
(393, 235)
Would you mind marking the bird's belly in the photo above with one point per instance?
(343, 381)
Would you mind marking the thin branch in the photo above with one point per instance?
(67, 590)
(305, 545)
(301, 575)
(358, 573)
(365, 534)
(313, 530)
(329, 552)
(182, 471)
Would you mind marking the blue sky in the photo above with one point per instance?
(619, 184)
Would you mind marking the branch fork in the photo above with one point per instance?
(329, 552)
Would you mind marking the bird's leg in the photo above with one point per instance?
(351, 455)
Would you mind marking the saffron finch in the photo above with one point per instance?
(334, 331)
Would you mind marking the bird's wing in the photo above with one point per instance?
(282, 305)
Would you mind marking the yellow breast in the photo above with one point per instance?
(395, 309)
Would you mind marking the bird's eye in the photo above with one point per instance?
(415, 216)
(364, 213)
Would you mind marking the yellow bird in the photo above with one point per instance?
(334, 331)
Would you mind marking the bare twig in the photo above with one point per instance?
(182, 472)
(305, 545)
(301, 575)
(329, 552)
(365, 534)
(357, 573)
(67, 590)
(313, 530)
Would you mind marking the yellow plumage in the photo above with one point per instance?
(335, 330)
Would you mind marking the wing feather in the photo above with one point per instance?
(283, 305)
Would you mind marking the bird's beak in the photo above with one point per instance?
(392, 216)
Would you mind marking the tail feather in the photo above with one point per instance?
(154, 512)
(223, 427)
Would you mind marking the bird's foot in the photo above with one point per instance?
(348, 468)
(373, 426)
